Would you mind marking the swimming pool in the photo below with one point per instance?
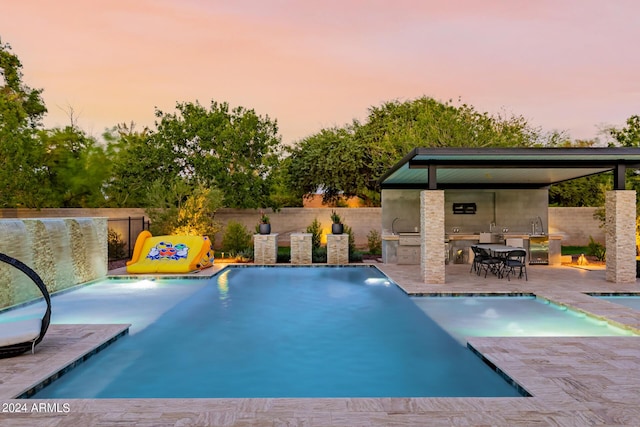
(270, 332)
(509, 316)
(631, 301)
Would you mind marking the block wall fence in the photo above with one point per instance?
(575, 225)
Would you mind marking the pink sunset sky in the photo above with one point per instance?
(569, 65)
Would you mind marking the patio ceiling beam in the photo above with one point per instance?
(499, 164)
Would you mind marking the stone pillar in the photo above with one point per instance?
(265, 248)
(432, 245)
(620, 208)
(301, 248)
(338, 248)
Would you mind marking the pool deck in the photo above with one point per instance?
(573, 381)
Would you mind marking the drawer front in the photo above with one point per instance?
(410, 241)
(408, 254)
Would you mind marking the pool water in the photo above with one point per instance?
(511, 316)
(631, 301)
(270, 332)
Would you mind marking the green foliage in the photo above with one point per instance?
(244, 255)
(587, 191)
(628, 136)
(232, 149)
(284, 254)
(236, 238)
(116, 245)
(181, 208)
(355, 256)
(315, 229)
(596, 249)
(348, 161)
(352, 242)
(375, 242)
(136, 164)
(335, 218)
(573, 250)
(76, 167)
(22, 178)
(319, 255)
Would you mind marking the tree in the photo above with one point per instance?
(234, 150)
(21, 112)
(332, 161)
(137, 162)
(581, 192)
(177, 207)
(348, 161)
(76, 168)
(628, 136)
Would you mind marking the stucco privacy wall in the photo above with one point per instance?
(63, 251)
(574, 224)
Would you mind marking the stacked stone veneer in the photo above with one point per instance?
(620, 208)
(63, 251)
(337, 249)
(301, 248)
(265, 248)
(432, 248)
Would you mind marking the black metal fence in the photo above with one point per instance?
(123, 233)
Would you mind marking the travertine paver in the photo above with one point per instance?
(574, 381)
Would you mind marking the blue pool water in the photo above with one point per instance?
(269, 332)
(631, 301)
(523, 316)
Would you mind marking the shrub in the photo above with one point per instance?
(352, 238)
(178, 207)
(355, 256)
(116, 245)
(244, 255)
(284, 254)
(315, 229)
(596, 249)
(236, 238)
(375, 242)
(352, 244)
(319, 255)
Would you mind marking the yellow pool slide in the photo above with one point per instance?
(170, 254)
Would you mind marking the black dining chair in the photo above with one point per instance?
(478, 256)
(515, 260)
(489, 263)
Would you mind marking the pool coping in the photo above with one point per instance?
(64, 347)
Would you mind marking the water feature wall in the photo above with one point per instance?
(63, 251)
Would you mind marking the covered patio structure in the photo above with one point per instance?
(434, 194)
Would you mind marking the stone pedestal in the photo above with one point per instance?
(301, 248)
(620, 208)
(432, 239)
(337, 248)
(265, 248)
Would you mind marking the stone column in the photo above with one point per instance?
(620, 208)
(432, 246)
(265, 248)
(337, 248)
(301, 248)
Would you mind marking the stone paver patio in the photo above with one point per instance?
(574, 381)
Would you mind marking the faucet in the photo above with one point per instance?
(492, 225)
(392, 224)
(541, 226)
